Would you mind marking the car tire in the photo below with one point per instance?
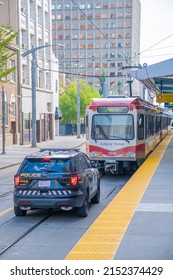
(83, 210)
(19, 212)
(96, 198)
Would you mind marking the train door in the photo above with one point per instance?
(140, 137)
(171, 124)
(87, 133)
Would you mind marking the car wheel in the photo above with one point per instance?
(83, 210)
(19, 212)
(96, 198)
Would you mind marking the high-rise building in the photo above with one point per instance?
(97, 38)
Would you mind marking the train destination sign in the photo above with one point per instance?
(164, 98)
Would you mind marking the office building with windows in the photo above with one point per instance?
(35, 26)
(96, 38)
(32, 18)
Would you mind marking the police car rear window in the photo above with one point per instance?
(48, 165)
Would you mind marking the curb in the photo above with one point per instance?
(10, 165)
(17, 163)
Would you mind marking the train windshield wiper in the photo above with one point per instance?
(118, 137)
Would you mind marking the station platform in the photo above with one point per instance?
(138, 223)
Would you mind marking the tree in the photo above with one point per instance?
(68, 101)
(120, 84)
(102, 80)
(6, 38)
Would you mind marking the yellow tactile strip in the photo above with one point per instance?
(101, 240)
(5, 211)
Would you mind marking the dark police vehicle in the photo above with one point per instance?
(56, 178)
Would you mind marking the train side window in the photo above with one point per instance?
(140, 127)
(158, 124)
(149, 126)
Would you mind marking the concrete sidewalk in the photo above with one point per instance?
(16, 153)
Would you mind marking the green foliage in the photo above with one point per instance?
(68, 101)
(102, 80)
(6, 38)
(120, 84)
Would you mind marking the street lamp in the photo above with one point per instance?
(33, 74)
(78, 103)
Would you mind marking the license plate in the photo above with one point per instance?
(44, 184)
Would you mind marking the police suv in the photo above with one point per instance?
(56, 178)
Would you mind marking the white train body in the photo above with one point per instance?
(121, 132)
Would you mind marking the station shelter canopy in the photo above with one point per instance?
(158, 78)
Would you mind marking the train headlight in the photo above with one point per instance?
(94, 154)
(131, 154)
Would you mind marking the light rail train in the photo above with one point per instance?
(121, 132)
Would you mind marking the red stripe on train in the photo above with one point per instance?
(135, 149)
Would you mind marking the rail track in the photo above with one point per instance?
(13, 242)
(6, 194)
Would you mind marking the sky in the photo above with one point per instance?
(156, 26)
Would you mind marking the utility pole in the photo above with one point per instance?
(130, 81)
(78, 103)
(3, 121)
(130, 86)
(33, 75)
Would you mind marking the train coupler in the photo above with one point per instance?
(110, 167)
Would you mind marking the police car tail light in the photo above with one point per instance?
(74, 180)
(17, 180)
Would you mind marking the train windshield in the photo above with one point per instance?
(112, 127)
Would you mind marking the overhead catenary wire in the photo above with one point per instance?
(71, 73)
(94, 76)
(156, 89)
(91, 21)
(164, 54)
(95, 26)
(149, 48)
(76, 74)
(113, 60)
(161, 48)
